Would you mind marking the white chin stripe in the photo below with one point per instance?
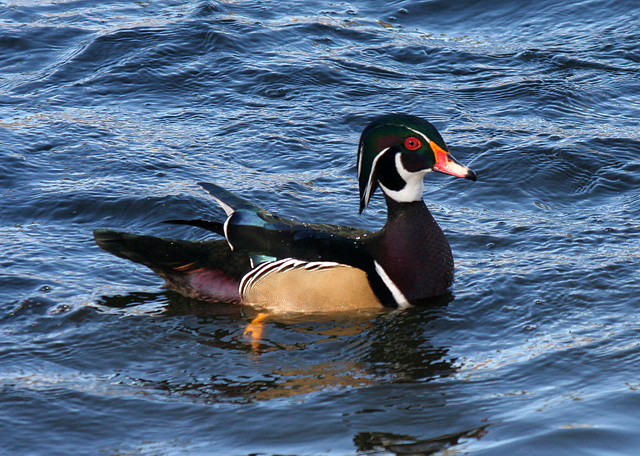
(413, 187)
(398, 296)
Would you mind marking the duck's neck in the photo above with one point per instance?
(414, 251)
(406, 214)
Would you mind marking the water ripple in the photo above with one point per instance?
(110, 114)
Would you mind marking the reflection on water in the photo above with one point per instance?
(374, 442)
(302, 355)
(358, 349)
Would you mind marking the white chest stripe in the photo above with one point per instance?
(400, 298)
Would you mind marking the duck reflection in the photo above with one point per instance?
(353, 349)
(371, 442)
(301, 354)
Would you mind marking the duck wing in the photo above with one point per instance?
(252, 230)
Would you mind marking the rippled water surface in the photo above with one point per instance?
(111, 111)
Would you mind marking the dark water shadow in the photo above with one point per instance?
(173, 304)
(402, 347)
(406, 445)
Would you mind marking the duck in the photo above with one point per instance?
(280, 265)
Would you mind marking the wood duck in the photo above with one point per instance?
(281, 265)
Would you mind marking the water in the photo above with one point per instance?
(110, 113)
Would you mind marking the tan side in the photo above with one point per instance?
(334, 289)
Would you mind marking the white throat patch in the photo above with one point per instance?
(414, 184)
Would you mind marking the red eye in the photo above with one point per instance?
(412, 143)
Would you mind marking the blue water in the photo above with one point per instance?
(110, 113)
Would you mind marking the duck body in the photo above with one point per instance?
(282, 265)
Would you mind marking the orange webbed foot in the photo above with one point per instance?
(255, 329)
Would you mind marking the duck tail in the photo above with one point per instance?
(198, 269)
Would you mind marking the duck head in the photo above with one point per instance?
(396, 151)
